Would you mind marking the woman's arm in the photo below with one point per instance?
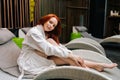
(77, 60)
(72, 59)
(36, 37)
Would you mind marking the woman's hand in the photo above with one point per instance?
(76, 60)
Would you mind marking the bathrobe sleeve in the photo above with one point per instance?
(46, 47)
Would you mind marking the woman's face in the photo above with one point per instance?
(50, 24)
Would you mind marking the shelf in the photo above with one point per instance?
(115, 5)
(62, 18)
(115, 17)
(86, 8)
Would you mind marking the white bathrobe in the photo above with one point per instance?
(29, 60)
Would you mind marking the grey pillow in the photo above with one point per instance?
(81, 28)
(26, 29)
(5, 35)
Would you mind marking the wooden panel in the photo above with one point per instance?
(21, 13)
(37, 11)
(15, 13)
(26, 13)
(4, 9)
(11, 14)
(76, 10)
(8, 13)
(0, 15)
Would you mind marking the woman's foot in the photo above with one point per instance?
(100, 66)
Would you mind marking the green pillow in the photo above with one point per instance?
(75, 35)
(18, 41)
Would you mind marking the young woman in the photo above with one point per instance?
(41, 49)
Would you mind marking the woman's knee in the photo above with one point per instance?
(52, 41)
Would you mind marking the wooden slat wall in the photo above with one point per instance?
(37, 13)
(0, 15)
(15, 14)
(26, 14)
(75, 9)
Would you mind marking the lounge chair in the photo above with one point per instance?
(71, 73)
(84, 33)
(9, 53)
(92, 43)
(75, 73)
(85, 43)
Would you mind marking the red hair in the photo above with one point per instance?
(54, 34)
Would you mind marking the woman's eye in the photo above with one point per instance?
(50, 22)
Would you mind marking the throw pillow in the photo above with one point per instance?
(5, 35)
(18, 41)
(75, 35)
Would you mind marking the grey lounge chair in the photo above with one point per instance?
(84, 33)
(92, 43)
(76, 73)
(85, 43)
(8, 56)
(71, 73)
(10, 52)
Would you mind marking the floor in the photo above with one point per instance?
(113, 53)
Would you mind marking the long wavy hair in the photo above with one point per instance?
(54, 34)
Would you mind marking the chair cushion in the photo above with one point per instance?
(5, 35)
(9, 54)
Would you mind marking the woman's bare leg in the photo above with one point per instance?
(61, 61)
(57, 60)
(90, 64)
(99, 66)
(50, 40)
